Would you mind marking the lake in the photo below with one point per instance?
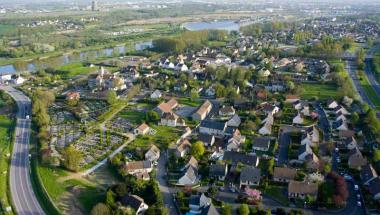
(214, 25)
(22, 66)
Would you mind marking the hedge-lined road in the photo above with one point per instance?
(23, 197)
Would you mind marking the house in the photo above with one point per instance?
(261, 143)
(374, 188)
(183, 148)
(300, 104)
(215, 128)
(73, 95)
(291, 99)
(310, 136)
(17, 79)
(227, 111)
(332, 104)
(267, 127)
(264, 73)
(304, 151)
(104, 80)
(156, 94)
(233, 144)
(237, 157)
(340, 109)
(340, 116)
(356, 159)
(190, 177)
(299, 119)
(341, 125)
(180, 87)
(202, 111)
(208, 140)
(130, 72)
(135, 167)
(250, 176)
(153, 154)
(234, 121)
(191, 163)
(142, 176)
(142, 129)
(350, 143)
(346, 134)
(166, 107)
(134, 202)
(171, 119)
(367, 174)
(270, 109)
(284, 174)
(312, 163)
(210, 92)
(218, 171)
(201, 205)
(298, 189)
(181, 67)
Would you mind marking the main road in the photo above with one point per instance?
(23, 197)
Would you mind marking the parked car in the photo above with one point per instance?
(358, 197)
(356, 187)
(347, 177)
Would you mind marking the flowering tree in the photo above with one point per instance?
(253, 193)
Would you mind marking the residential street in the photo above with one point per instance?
(23, 197)
(164, 188)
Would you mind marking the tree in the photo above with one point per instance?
(71, 158)
(111, 97)
(327, 168)
(197, 150)
(226, 210)
(212, 191)
(152, 116)
(243, 209)
(376, 155)
(194, 94)
(111, 199)
(355, 118)
(100, 209)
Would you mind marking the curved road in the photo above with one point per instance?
(23, 197)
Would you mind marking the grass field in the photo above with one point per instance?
(6, 129)
(189, 102)
(322, 91)
(88, 196)
(76, 69)
(4, 29)
(135, 117)
(371, 93)
(163, 137)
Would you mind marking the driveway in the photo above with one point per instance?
(164, 188)
(284, 142)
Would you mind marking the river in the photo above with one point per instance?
(34, 65)
(214, 25)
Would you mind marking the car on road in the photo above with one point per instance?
(336, 150)
(347, 177)
(356, 187)
(338, 160)
(359, 204)
(358, 196)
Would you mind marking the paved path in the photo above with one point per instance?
(23, 197)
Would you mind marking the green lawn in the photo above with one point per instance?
(216, 43)
(135, 117)
(76, 69)
(278, 193)
(322, 91)
(189, 102)
(164, 136)
(371, 93)
(49, 177)
(6, 129)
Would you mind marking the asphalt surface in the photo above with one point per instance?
(163, 184)
(23, 197)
